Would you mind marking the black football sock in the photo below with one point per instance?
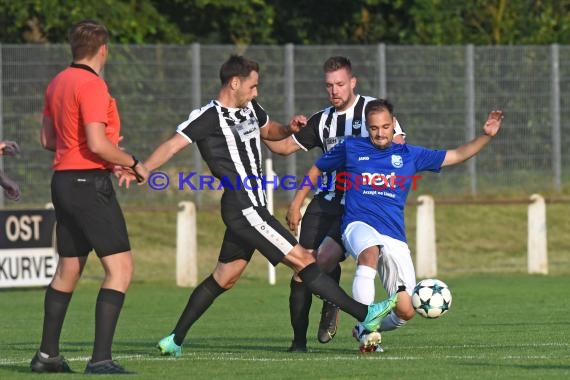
(300, 299)
(109, 305)
(326, 288)
(335, 273)
(55, 308)
(200, 300)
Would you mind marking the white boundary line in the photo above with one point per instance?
(245, 357)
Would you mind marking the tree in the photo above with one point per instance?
(221, 21)
(305, 22)
(40, 21)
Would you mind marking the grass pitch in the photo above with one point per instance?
(503, 324)
(511, 326)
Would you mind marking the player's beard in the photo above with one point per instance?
(381, 143)
(340, 104)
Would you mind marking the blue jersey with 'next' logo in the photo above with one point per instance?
(377, 181)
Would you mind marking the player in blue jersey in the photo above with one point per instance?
(377, 176)
(228, 132)
(320, 230)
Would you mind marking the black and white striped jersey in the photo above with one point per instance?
(327, 128)
(229, 142)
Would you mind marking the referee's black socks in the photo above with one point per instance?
(107, 310)
(55, 308)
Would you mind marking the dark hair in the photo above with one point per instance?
(237, 66)
(378, 105)
(336, 63)
(86, 37)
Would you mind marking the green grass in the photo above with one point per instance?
(503, 324)
(499, 327)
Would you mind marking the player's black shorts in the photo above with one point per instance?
(254, 228)
(87, 213)
(322, 218)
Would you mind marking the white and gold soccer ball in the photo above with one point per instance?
(431, 298)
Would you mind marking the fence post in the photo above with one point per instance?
(196, 101)
(470, 112)
(289, 95)
(555, 110)
(381, 70)
(186, 245)
(426, 256)
(537, 247)
(271, 275)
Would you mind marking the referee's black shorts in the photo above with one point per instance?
(87, 213)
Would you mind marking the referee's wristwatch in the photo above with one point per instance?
(136, 162)
(133, 167)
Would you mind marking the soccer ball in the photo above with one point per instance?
(431, 298)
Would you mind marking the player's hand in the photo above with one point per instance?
(11, 189)
(141, 173)
(493, 123)
(297, 123)
(293, 218)
(398, 139)
(9, 148)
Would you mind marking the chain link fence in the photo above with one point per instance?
(442, 95)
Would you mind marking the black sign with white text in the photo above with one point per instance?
(27, 253)
(26, 228)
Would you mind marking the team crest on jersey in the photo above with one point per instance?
(356, 124)
(397, 161)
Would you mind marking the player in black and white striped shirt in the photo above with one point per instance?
(320, 229)
(228, 132)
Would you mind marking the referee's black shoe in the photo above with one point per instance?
(297, 347)
(329, 322)
(49, 365)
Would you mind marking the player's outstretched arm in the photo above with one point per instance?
(282, 147)
(468, 150)
(161, 155)
(294, 216)
(165, 151)
(275, 131)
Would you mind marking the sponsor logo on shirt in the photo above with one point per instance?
(247, 130)
(330, 142)
(364, 158)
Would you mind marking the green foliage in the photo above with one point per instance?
(221, 21)
(40, 21)
(303, 22)
(482, 22)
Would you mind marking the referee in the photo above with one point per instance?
(81, 125)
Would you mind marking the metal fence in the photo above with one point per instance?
(442, 96)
